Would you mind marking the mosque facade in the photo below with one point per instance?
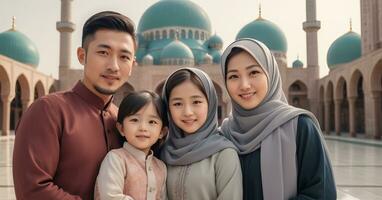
(174, 33)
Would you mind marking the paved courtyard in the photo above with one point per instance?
(357, 169)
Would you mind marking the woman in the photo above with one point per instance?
(201, 164)
(281, 150)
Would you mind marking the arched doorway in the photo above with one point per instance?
(343, 105)
(358, 104)
(39, 90)
(122, 92)
(20, 102)
(298, 95)
(52, 89)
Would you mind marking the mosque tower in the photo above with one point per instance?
(311, 26)
(371, 25)
(65, 27)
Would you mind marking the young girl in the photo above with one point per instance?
(132, 172)
(201, 163)
(282, 153)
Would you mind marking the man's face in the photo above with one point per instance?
(108, 61)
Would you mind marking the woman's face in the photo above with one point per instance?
(247, 83)
(188, 107)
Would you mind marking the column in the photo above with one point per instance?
(375, 114)
(327, 117)
(351, 101)
(337, 114)
(6, 115)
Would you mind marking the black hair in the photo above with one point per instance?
(135, 101)
(234, 51)
(181, 76)
(107, 20)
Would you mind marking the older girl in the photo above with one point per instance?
(282, 153)
(201, 164)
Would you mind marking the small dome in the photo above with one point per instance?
(266, 32)
(298, 64)
(148, 60)
(216, 55)
(344, 49)
(175, 50)
(161, 14)
(214, 42)
(18, 46)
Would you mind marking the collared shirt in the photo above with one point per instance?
(128, 174)
(60, 143)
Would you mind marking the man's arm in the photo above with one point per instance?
(36, 152)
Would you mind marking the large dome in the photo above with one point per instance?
(169, 13)
(19, 47)
(344, 49)
(267, 32)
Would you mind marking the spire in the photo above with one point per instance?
(259, 11)
(13, 23)
(351, 25)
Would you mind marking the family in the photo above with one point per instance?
(77, 144)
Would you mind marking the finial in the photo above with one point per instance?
(351, 26)
(13, 23)
(259, 10)
(298, 57)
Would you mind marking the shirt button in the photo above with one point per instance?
(151, 189)
(150, 168)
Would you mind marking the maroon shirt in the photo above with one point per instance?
(60, 143)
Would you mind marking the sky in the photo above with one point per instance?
(37, 19)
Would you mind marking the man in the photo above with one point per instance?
(63, 137)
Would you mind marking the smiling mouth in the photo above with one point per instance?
(246, 96)
(189, 121)
(110, 77)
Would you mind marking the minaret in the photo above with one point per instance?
(311, 26)
(65, 27)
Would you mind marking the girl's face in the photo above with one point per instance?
(247, 84)
(143, 128)
(188, 107)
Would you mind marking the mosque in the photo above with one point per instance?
(173, 33)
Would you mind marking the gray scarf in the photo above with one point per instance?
(272, 125)
(181, 149)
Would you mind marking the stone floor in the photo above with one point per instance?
(357, 169)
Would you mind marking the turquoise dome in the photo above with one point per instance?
(267, 32)
(18, 46)
(167, 13)
(214, 42)
(176, 49)
(344, 49)
(297, 64)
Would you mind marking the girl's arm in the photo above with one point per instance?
(229, 184)
(111, 179)
(315, 176)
